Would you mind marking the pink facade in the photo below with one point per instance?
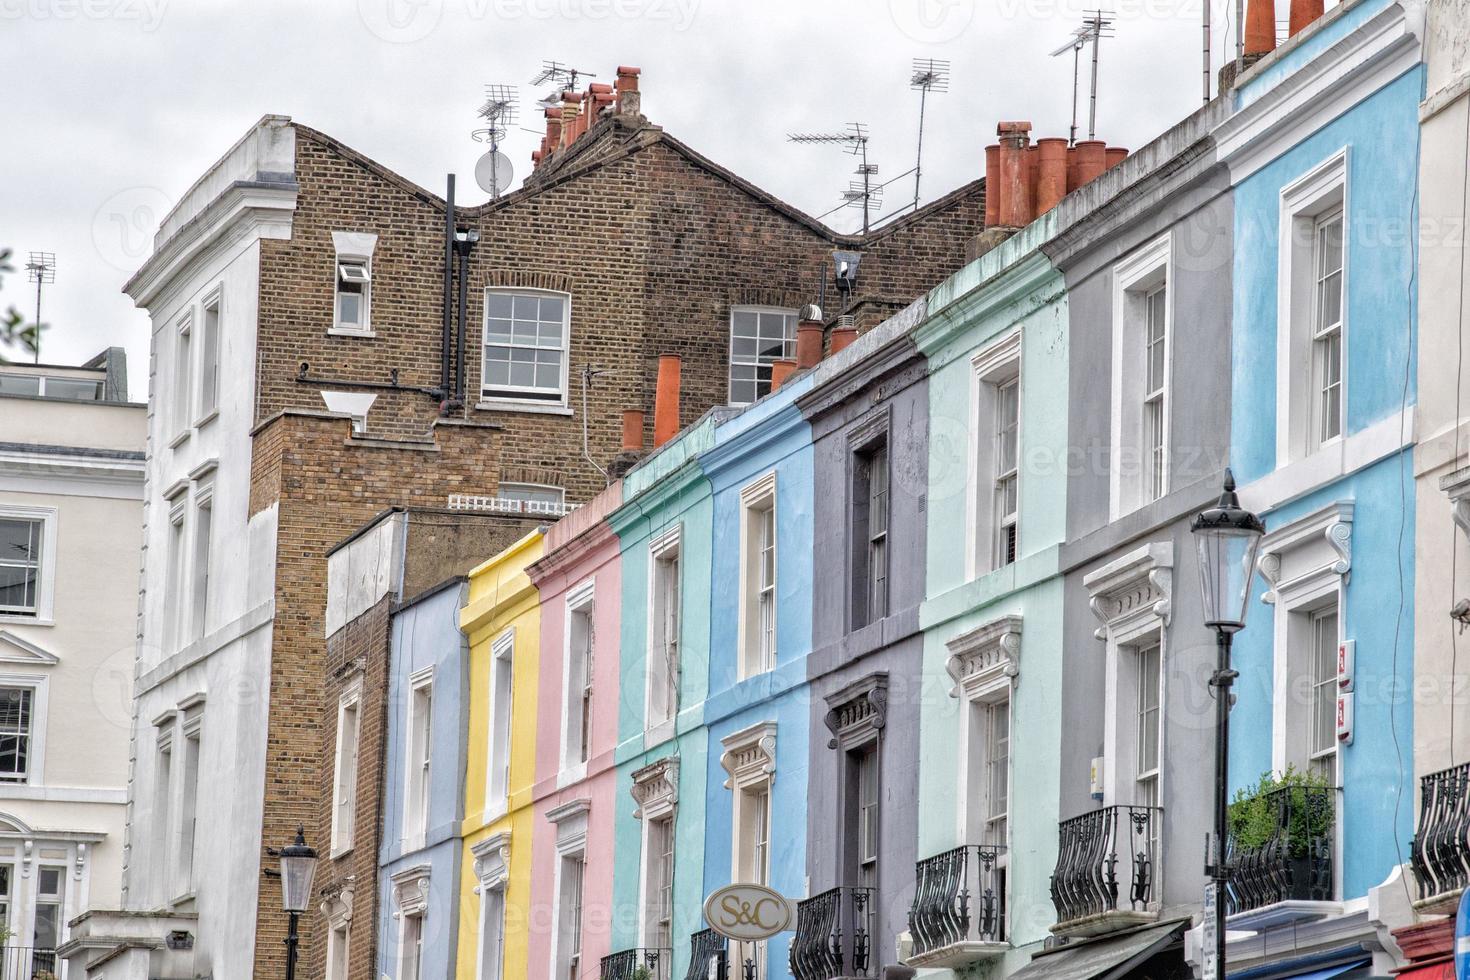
(576, 781)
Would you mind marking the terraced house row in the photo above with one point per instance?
(914, 630)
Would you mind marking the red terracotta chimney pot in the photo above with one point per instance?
(1260, 26)
(632, 430)
(1092, 160)
(1303, 12)
(1114, 156)
(844, 334)
(1051, 182)
(666, 399)
(780, 371)
(1015, 197)
(992, 185)
(808, 343)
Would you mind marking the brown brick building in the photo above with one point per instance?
(299, 368)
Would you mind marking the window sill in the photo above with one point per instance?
(180, 439)
(202, 422)
(529, 408)
(350, 332)
(339, 852)
(659, 733)
(26, 620)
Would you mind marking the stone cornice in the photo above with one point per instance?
(985, 659)
(749, 755)
(1015, 289)
(1133, 588)
(656, 789)
(1332, 524)
(858, 712)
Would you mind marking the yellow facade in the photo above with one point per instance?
(503, 608)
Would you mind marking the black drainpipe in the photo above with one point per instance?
(464, 243)
(448, 291)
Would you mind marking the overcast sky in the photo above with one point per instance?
(114, 107)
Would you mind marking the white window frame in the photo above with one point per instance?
(339, 950)
(174, 613)
(576, 701)
(1305, 564)
(418, 761)
(522, 505)
(759, 643)
(1320, 192)
(501, 704)
(749, 759)
(867, 784)
(163, 804)
(39, 686)
(995, 366)
(182, 408)
(191, 733)
(353, 250)
(788, 350)
(655, 790)
(46, 575)
(663, 670)
(506, 397)
(411, 901)
(211, 336)
(985, 664)
(202, 548)
(1135, 278)
(492, 870)
(571, 821)
(345, 770)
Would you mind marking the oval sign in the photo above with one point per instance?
(747, 913)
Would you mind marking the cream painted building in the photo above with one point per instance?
(71, 510)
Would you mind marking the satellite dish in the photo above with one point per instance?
(494, 173)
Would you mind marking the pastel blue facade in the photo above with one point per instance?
(419, 872)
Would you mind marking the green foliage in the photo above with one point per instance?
(642, 973)
(1302, 800)
(14, 330)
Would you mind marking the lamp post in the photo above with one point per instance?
(298, 865)
(1227, 536)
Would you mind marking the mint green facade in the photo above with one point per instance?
(668, 491)
(1012, 290)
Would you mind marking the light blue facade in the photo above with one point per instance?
(426, 645)
(1356, 489)
(771, 436)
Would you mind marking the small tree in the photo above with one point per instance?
(1304, 798)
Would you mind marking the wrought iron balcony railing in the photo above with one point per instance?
(834, 935)
(1107, 861)
(1440, 854)
(708, 958)
(1284, 852)
(637, 964)
(25, 963)
(959, 897)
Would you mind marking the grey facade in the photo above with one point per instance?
(1159, 247)
(867, 651)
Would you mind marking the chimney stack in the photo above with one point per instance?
(1092, 160)
(632, 430)
(1260, 27)
(992, 185)
(666, 399)
(1015, 190)
(1303, 12)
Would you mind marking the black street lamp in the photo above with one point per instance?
(1227, 536)
(298, 865)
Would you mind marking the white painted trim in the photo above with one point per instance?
(63, 794)
(508, 402)
(578, 599)
(502, 649)
(417, 681)
(1316, 192)
(351, 697)
(1336, 460)
(39, 685)
(26, 654)
(46, 586)
(754, 495)
(669, 540)
(993, 365)
(1139, 273)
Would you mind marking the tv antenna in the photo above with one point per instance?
(493, 171)
(855, 141)
(929, 75)
(40, 269)
(1096, 25)
(563, 76)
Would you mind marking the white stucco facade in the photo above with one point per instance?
(1442, 457)
(71, 497)
(198, 724)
